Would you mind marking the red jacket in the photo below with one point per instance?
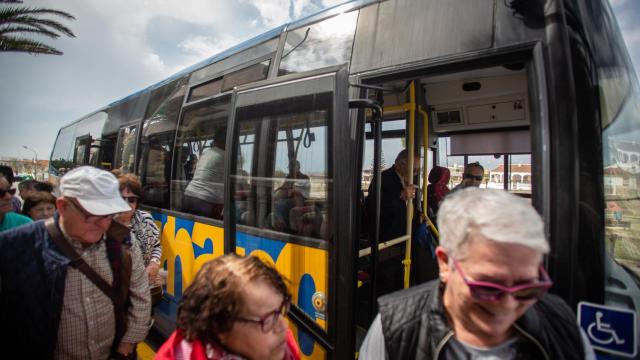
(198, 349)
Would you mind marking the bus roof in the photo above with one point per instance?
(334, 10)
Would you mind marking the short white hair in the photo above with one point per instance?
(495, 214)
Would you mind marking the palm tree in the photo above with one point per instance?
(16, 22)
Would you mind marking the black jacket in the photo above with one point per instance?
(415, 326)
(393, 210)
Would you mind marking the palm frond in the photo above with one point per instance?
(14, 11)
(27, 45)
(26, 20)
(39, 30)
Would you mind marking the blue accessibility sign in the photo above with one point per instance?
(609, 329)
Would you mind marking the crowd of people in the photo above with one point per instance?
(89, 258)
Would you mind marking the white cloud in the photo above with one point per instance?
(153, 63)
(299, 6)
(273, 12)
(204, 46)
(330, 3)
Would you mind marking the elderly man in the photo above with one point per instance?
(49, 305)
(471, 177)
(490, 301)
(395, 190)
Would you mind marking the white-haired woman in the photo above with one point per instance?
(491, 299)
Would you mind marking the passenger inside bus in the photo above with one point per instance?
(204, 195)
(290, 198)
(395, 190)
(472, 176)
(437, 189)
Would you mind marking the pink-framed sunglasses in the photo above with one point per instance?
(488, 291)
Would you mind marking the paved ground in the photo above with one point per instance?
(147, 349)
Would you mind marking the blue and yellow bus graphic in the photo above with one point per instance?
(187, 245)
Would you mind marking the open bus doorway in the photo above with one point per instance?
(480, 115)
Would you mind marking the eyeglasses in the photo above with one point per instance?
(4, 192)
(268, 321)
(88, 217)
(131, 199)
(471, 176)
(487, 291)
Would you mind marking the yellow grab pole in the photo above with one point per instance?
(425, 133)
(411, 150)
(425, 148)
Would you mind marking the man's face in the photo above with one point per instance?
(80, 224)
(485, 322)
(472, 176)
(5, 200)
(402, 166)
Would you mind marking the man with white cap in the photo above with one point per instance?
(49, 305)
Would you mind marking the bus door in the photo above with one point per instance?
(82, 150)
(126, 149)
(289, 198)
(385, 247)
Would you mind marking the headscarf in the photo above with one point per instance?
(437, 189)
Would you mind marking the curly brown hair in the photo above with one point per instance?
(211, 303)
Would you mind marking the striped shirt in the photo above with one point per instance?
(87, 322)
(145, 231)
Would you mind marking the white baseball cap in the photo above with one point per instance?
(96, 190)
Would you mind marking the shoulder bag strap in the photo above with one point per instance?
(79, 263)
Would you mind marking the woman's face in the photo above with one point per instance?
(43, 210)
(247, 338)
(132, 200)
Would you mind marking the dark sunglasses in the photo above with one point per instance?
(488, 291)
(4, 192)
(470, 176)
(131, 199)
(269, 321)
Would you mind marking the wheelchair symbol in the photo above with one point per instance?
(602, 333)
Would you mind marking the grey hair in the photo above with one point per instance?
(495, 214)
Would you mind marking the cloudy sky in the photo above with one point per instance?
(122, 46)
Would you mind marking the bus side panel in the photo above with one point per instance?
(306, 268)
(186, 246)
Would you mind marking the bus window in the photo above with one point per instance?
(156, 143)
(454, 163)
(62, 155)
(225, 83)
(126, 149)
(198, 184)
(293, 199)
(510, 172)
(322, 44)
(392, 143)
(81, 154)
(255, 52)
(621, 160)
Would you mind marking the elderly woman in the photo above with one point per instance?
(39, 205)
(144, 231)
(491, 300)
(234, 309)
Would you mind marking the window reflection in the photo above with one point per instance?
(156, 142)
(198, 184)
(326, 43)
(126, 151)
(281, 183)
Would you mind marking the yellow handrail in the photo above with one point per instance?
(411, 151)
